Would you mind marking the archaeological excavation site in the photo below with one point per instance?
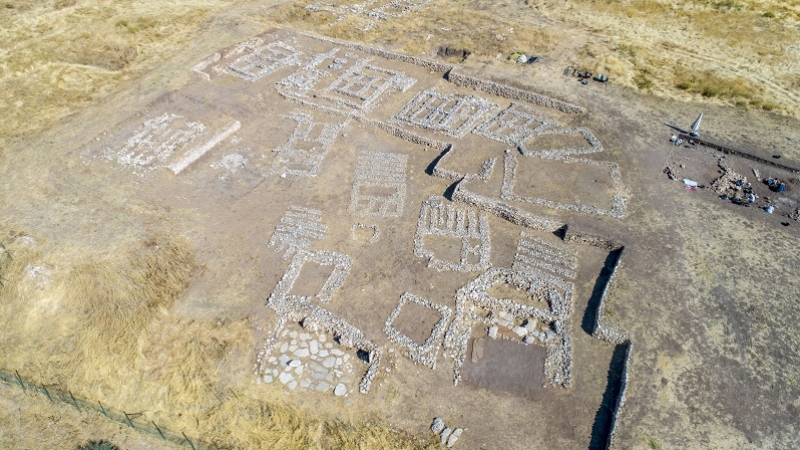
(294, 230)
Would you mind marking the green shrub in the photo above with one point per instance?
(642, 82)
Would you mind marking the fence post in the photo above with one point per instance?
(188, 440)
(74, 402)
(19, 378)
(159, 430)
(103, 410)
(44, 389)
(129, 419)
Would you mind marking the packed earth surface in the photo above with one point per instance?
(276, 238)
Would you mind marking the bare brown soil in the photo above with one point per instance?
(176, 270)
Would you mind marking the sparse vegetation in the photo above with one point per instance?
(98, 445)
(446, 24)
(643, 82)
(102, 328)
(60, 56)
(653, 444)
(738, 91)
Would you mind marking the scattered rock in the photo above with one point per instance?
(520, 331)
(314, 348)
(438, 425)
(323, 386)
(446, 435)
(329, 362)
(340, 390)
(302, 353)
(454, 437)
(295, 363)
(493, 332)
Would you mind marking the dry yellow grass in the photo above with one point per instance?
(743, 53)
(100, 325)
(30, 421)
(445, 23)
(59, 55)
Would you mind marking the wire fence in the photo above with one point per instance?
(135, 420)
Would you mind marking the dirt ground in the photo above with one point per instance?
(706, 288)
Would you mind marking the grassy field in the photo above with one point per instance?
(99, 325)
(743, 54)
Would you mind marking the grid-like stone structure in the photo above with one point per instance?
(513, 125)
(306, 148)
(426, 352)
(298, 229)
(302, 309)
(380, 186)
(533, 252)
(441, 219)
(452, 114)
(361, 85)
(262, 60)
(520, 123)
(156, 141)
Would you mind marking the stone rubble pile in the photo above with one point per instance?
(528, 324)
(726, 184)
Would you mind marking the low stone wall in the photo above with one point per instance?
(739, 153)
(488, 87)
(501, 90)
(589, 239)
(504, 211)
(434, 66)
(623, 388)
